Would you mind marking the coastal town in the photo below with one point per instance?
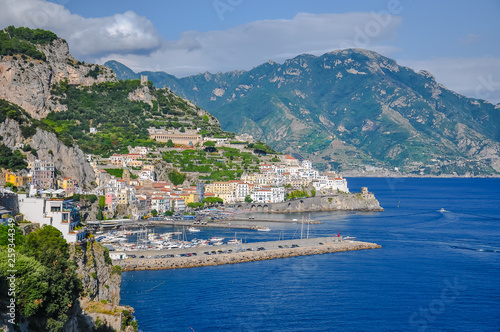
(127, 186)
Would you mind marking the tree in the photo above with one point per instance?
(195, 205)
(4, 236)
(170, 144)
(57, 285)
(176, 178)
(154, 213)
(248, 199)
(209, 143)
(209, 201)
(102, 203)
(313, 193)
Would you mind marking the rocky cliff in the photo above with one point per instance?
(101, 282)
(27, 82)
(69, 160)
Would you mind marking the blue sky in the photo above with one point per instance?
(456, 40)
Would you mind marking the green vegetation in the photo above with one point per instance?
(45, 274)
(209, 143)
(90, 198)
(262, 147)
(116, 269)
(176, 178)
(128, 320)
(28, 124)
(23, 40)
(117, 172)
(120, 122)
(296, 194)
(13, 160)
(211, 201)
(195, 205)
(223, 165)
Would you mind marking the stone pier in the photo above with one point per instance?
(240, 254)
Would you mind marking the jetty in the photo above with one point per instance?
(233, 254)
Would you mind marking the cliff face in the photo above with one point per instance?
(98, 281)
(101, 290)
(70, 161)
(27, 82)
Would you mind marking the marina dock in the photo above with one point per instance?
(247, 252)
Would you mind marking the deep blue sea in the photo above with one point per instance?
(437, 271)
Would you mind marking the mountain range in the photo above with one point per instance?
(351, 110)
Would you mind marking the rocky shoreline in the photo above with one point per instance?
(241, 257)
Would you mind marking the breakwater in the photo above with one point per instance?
(272, 250)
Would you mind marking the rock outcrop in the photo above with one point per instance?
(364, 201)
(71, 161)
(27, 82)
(101, 283)
(96, 273)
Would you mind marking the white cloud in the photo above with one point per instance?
(120, 33)
(476, 78)
(251, 44)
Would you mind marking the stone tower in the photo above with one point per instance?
(144, 80)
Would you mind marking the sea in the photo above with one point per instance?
(438, 269)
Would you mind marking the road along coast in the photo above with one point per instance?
(302, 247)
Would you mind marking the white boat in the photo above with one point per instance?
(234, 241)
(219, 243)
(193, 229)
(263, 229)
(349, 238)
(216, 239)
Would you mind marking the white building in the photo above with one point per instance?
(160, 203)
(59, 213)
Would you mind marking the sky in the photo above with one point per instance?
(458, 41)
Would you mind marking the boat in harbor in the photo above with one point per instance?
(193, 229)
(216, 239)
(263, 229)
(234, 241)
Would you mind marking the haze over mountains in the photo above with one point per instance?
(350, 109)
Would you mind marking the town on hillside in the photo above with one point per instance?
(127, 186)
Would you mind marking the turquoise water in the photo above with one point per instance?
(437, 271)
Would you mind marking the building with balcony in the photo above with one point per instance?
(59, 213)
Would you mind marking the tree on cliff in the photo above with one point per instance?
(47, 285)
(176, 178)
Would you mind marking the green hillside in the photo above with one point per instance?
(350, 109)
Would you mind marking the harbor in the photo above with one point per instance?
(237, 253)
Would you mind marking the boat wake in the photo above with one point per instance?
(477, 249)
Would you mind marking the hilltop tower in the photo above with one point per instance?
(144, 80)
